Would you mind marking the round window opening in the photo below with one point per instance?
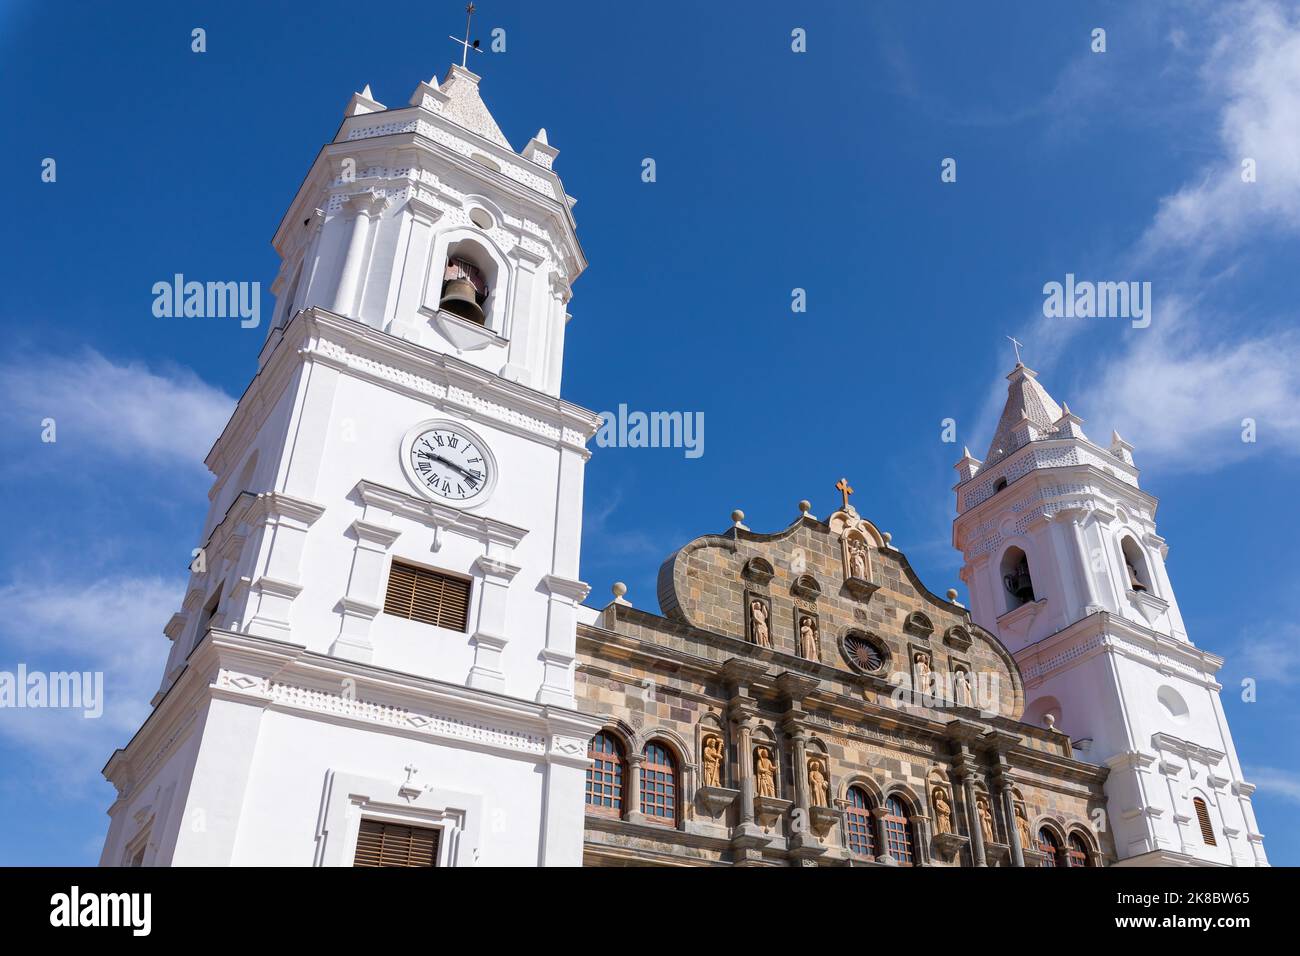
(864, 654)
(480, 218)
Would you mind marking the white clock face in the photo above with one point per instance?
(449, 463)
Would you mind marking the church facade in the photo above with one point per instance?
(383, 658)
(805, 700)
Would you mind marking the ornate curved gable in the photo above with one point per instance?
(835, 592)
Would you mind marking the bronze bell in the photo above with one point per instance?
(464, 291)
(1018, 583)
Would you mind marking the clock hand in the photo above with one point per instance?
(471, 480)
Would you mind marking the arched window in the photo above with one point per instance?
(1015, 578)
(1203, 818)
(999, 485)
(605, 775)
(1135, 566)
(898, 831)
(1078, 853)
(858, 824)
(1050, 848)
(659, 784)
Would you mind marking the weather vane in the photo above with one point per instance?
(1016, 345)
(465, 43)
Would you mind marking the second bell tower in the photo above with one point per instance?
(1064, 564)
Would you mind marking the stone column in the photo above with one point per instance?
(745, 766)
(1089, 595)
(965, 771)
(633, 788)
(362, 600)
(490, 634)
(799, 740)
(1009, 811)
(366, 206)
(882, 844)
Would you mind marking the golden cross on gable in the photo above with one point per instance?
(844, 488)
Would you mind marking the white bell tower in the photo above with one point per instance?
(1064, 564)
(375, 653)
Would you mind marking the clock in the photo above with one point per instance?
(449, 463)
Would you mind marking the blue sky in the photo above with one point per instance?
(775, 170)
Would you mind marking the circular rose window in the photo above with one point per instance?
(864, 654)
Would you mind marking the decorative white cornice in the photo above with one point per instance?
(1104, 632)
(494, 570)
(265, 673)
(1186, 749)
(434, 515)
(574, 590)
(372, 533)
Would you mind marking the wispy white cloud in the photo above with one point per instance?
(1255, 67)
(1269, 653)
(125, 411)
(1276, 782)
(1180, 389)
(1181, 394)
(113, 626)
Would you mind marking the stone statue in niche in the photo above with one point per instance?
(961, 688)
(712, 761)
(857, 559)
(922, 661)
(1022, 827)
(808, 644)
(819, 790)
(758, 623)
(765, 772)
(942, 811)
(986, 819)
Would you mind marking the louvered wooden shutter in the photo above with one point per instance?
(1203, 818)
(427, 596)
(393, 844)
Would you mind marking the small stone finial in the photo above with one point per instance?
(952, 595)
(888, 538)
(805, 506)
(366, 92)
(1050, 719)
(965, 452)
(738, 519)
(541, 137)
(619, 589)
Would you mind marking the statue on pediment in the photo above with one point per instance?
(761, 634)
(857, 559)
(712, 761)
(961, 688)
(765, 772)
(1022, 827)
(922, 662)
(942, 811)
(808, 643)
(986, 819)
(819, 790)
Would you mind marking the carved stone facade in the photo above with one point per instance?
(806, 741)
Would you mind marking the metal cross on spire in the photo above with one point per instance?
(1017, 346)
(465, 43)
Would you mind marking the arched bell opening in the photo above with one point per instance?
(1016, 579)
(1135, 566)
(467, 280)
